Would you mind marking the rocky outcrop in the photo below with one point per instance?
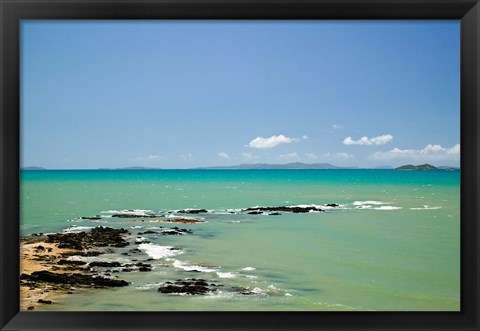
(75, 279)
(176, 231)
(130, 215)
(293, 209)
(191, 286)
(104, 264)
(192, 211)
(96, 237)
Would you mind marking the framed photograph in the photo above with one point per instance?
(239, 165)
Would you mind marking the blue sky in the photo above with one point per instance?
(180, 94)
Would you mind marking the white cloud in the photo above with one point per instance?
(186, 157)
(223, 155)
(261, 142)
(288, 157)
(429, 153)
(305, 137)
(337, 126)
(311, 156)
(380, 140)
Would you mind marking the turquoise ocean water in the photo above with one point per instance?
(393, 244)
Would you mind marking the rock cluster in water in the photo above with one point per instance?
(192, 286)
(68, 271)
(294, 209)
(76, 279)
(96, 237)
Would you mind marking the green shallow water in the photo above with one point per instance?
(394, 258)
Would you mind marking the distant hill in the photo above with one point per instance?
(130, 168)
(417, 167)
(33, 168)
(137, 168)
(294, 165)
(448, 168)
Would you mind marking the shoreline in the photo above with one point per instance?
(38, 255)
(51, 266)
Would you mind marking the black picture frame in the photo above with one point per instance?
(12, 11)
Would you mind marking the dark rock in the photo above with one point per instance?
(48, 302)
(254, 212)
(75, 279)
(96, 237)
(242, 290)
(39, 248)
(144, 269)
(332, 205)
(104, 264)
(294, 209)
(274, 214)
(175, 231)
(71, 262)
(91, 218)
(192, 211)
(134, 215)
(189, 286)
(31, 308)
(49, 249)
(140, 240)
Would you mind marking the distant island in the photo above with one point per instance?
(130, 168)
(33, 168)
(425, 167)
(270, 166)
(294, 165)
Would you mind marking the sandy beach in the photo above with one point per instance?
(38, 255)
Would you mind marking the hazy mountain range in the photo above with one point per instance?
(293, 165)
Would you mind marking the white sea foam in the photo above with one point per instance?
(157, 251)
(187, 267)
(149, 286)
(426, 207)
(257, 291)
(140, 240)
(89, 259)
(319, 206)
(226, 274)
(387, 208)
(183, 217)
(144, 212)
(76, 228)
(251, 276)
(248, 268)
(136, 227)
